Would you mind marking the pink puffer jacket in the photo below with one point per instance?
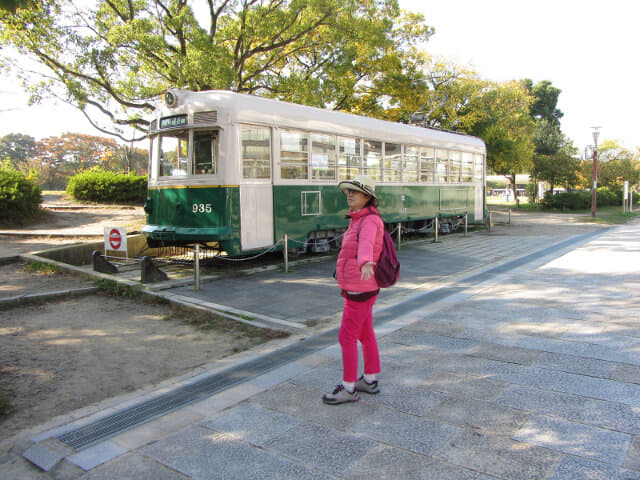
(354, 254)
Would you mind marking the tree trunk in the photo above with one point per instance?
(512, 179)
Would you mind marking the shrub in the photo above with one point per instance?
(580, 199)
(107, 187)
(19, 197)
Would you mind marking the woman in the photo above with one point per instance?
(361, 247)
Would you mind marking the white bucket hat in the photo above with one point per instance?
(360, 183)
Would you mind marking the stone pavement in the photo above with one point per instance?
(528, 369)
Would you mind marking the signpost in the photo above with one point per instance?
(626, 207)
(115, 239)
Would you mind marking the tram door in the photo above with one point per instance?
(256, 216)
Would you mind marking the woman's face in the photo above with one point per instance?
(356, 199)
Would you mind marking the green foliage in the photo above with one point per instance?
(19, 197)
(41, 267)
(97, 185)
(17, 148)
(500, 116)
(110, 287)
(348, 54)
(13, 5)
(545, 101)
(580, 200)
(615, 166)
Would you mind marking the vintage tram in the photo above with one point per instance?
(237, 172)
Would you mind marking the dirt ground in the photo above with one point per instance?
(68, 353)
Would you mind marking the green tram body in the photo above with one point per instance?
(243, 215)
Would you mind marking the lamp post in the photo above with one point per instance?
(596, 133)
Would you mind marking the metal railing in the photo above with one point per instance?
(493, 213)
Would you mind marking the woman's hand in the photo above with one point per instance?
(367, 271)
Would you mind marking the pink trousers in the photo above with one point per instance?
(357, 324)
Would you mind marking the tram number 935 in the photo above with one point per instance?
(201, 208)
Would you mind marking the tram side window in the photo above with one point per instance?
(348, 158)
(427, 164)
(294, 155)
(442, 166)
(392, 162)
(323, 157)
(256, 152)
(173, 154)
(467, 167)
(373, 160)
(478, 168)
(205, 155)
(455, 166)
(411, 162)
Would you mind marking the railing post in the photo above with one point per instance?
(465, 224)
(437, 228)
(490, 219)
(196, 267)
(286, 254)
(399, 234)
(509, 217)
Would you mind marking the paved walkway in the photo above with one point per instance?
(528, 369)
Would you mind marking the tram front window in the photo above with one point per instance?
(173, 154)
(205, 154)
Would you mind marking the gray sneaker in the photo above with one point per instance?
(340, 395)
(363, 386)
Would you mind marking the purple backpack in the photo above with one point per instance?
(387, 269)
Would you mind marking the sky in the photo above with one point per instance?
(587, 49)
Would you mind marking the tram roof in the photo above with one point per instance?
(244, 108)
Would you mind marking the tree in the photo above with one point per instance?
(554, 157)
(113, 59)
(500, 116)
(559, 168)
(616, 165)
(544, 106)
(17, 148)
(56, 159)
(445, 97)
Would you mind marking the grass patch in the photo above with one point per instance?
(612, 217)
(109, 287)
(41, 267)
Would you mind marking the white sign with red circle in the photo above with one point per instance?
(115, 238)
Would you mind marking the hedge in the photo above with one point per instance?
(580, 199)
(19, 197)
(107, 187)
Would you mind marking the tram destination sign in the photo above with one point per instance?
(173, 121)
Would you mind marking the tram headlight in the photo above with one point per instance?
(171, 98)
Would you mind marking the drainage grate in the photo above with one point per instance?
(131, 417)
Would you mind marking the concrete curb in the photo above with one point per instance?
(18, 300)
